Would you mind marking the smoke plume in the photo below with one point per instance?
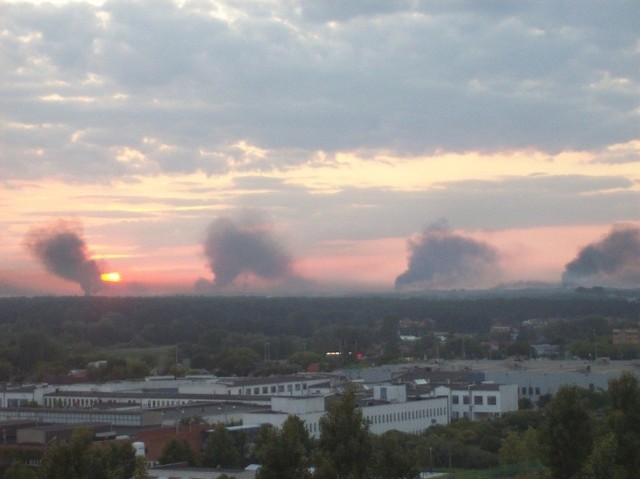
(233, 249)
(614, 260)
(440, 259)
(61, 249)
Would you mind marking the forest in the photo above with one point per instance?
(43, 338)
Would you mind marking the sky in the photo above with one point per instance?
(310, 146)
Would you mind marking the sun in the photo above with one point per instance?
(110, 277)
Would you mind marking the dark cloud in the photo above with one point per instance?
(473, 77)
(439, 258)
(246, 247)
(63, 252)
(614, 260)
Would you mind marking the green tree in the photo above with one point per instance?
(602, 461)
(388, 335)
(19, 470)
(238, 360)
(5, 370)
(177, 450)
(68, 460)
(304, 358)
(220, 449)
(567, 433)
(284, 453)
(79, 459)
(140, 468)
(512, 450)
(345, 446)
(517, 448)
(391, 459)
(624, 421)
(119, 458)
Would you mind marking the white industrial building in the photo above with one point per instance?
(389, 408)
(480, 401)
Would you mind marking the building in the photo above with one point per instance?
(480, 401)
(45, 435)
(388, 408)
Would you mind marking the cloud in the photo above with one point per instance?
(147, 87)
(234, 248)
(63, 252)
(439, 258)
(613, 260)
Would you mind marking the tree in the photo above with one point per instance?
(305, 358)
(5, 370)
(602, 461)
(391, 459)
(284, 454)
(119, 458)
(238, 360)
(19, 470)
(519, 448)
(220, 449)
(567, 433)
(79, 459)
(345, 446)
(388, 335)
(624, 421)
(140, 468)
(512, 450)
(177, 450)
(68, 460)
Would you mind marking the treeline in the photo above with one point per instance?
(165, 320)
(43, 338)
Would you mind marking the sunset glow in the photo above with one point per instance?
(276, 148)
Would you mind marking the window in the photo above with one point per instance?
(297, 387)
(465, 399)
(281, 388)
(273, 389)
(455, 399)
(256, 390)
(478, 400)
(491, 400)
(524, 391)
(538, 390)
(265, 389)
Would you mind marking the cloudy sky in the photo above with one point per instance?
(291, 146)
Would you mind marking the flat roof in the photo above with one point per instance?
(151, 394)
(599, 366)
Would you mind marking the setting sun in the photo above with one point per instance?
(110, 277)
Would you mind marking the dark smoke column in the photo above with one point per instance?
(439, 259)
(614, 260)
(63, 252)
(233, 250)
